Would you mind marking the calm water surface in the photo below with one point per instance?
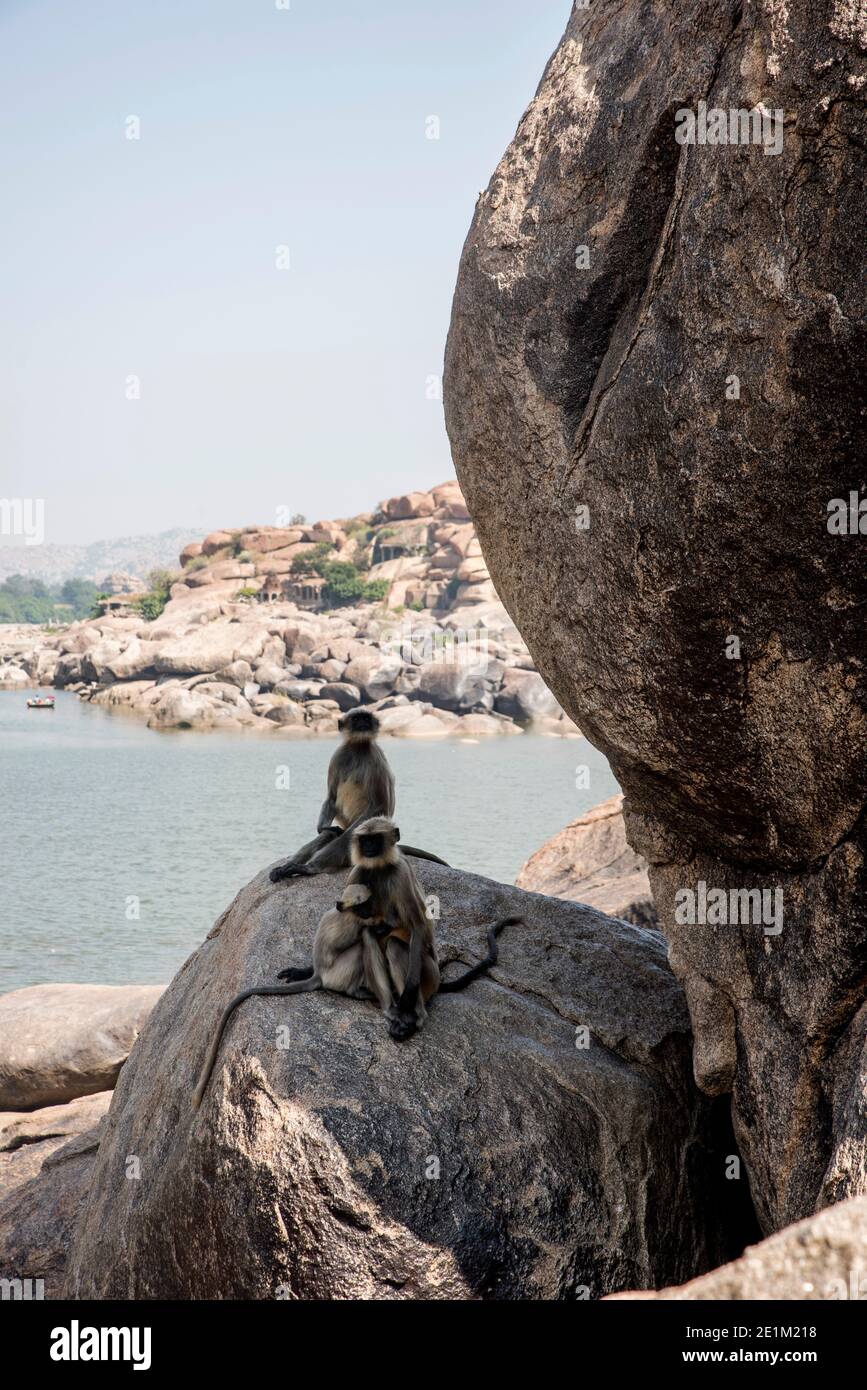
(97, 810)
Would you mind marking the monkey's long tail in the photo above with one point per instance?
(423, 854)
(299, 987)
(452, 986)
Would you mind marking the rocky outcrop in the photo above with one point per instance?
(237, 617)
(20, 1127)
(46, 1162)
(823, 1257)
(422, 544)
(652, 395)
(590, 862)
(62, 1041)
(11, 675)
(353, 1187)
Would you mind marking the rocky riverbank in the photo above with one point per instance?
(612, 1039)
(247, 641)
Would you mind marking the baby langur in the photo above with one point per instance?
(339, 965)
(360, 785)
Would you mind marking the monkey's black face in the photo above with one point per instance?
(372, 846)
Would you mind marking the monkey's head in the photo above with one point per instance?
(353, 897)
(359, 725)
(374, 843)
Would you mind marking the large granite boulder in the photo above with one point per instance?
(493, 1155)
(412, 504)
(589, 861)
(66, 672)
(524, 696)
(62, 1041)
(454, 685)
(652, 390)
(20, 1128)
(209, 648)
(13, 675)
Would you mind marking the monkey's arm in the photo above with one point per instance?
(409, 998)
(334, 853)
(297, 864)
(407, 1019)
(376, 975)
(326, 815)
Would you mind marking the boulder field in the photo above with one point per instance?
(248, 642)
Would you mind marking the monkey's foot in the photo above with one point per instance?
(402, 1026)
(290, 870)
(295, 972)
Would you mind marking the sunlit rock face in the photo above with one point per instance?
(654, 393)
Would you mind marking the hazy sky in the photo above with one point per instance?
(260, 127)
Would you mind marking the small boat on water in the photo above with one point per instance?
(41, 702)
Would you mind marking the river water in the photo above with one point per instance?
(119, 846)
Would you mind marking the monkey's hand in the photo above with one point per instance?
(290, 870)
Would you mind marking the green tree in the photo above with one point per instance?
(344, 585)
(151, 604)
(28, 600)
(25, 586)
(80, 595)
(312, 561)
(376, 590)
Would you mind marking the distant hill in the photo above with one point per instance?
(135, 555)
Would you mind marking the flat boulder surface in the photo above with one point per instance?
(531, 1142)
(46, 1164)
(21, 1127)
(209, 648)
(62, 1041)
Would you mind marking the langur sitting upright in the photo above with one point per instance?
(402, 927)
(405, 932)
(360, 785)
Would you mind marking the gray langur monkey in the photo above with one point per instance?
(360, 785)
(402, 928)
